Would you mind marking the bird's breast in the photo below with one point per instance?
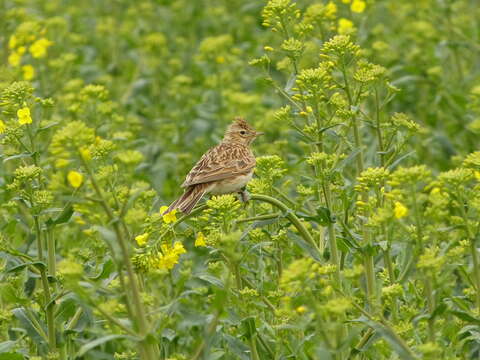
(231, 185)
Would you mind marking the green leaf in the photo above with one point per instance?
(64, 217)
(7, 345)
(9, 294)
(92, 344)
(250, 328)
(393, 165)
(463, 315)
(398, 346)
(305, 246)
(215, 355)
(48, 126)
(111, 238)
(107, 267)
(439, 310)
(29, 326)
(39, 264)
(11, 356)
(211, 280)
(18, 156)
(323, 216)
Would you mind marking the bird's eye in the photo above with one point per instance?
(243, 132)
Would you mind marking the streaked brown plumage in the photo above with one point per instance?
(225, 168)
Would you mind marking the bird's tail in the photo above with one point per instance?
(189, 199)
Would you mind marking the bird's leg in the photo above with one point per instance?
(244, 195)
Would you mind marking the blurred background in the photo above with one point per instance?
(179, 70)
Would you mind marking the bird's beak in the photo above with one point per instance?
(258, 133)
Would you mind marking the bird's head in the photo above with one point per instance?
(241, 132)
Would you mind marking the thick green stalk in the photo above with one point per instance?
(49, 307)
(253, 347)
(51, 256)
(289, 215)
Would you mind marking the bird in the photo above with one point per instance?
(224, 169)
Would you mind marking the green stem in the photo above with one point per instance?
(289, 215)
(431, 308)
(259, 217)
(473, 250)
(51, 256)
(253, 347)
(211, 328)
(74, 320)
(418, 222)
(368, 334)
(49, 306)
(476, 270)
(332, 239)
(378, 129)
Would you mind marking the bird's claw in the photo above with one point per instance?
(244, 195)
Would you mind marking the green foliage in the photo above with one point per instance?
(360, 240)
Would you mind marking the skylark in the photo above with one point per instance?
(224, 169)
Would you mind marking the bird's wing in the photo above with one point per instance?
(221, 162)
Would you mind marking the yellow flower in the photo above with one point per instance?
(39, 48)
(24, 116)
(167, 261)
(301, 309)
(142, 239)
(220, 59)
(268, 48)
(346, 1)
(28, 72)
(12, 42)
(330, 10)
(400, 210)
(60, 163)
(358, 6)
(170, 217)
(200, 240)
(85, 153)
(14, 59)
(477, 174)
(345, 26)
(178, 248)
(2, 127)
(169, 256)
(75, 179)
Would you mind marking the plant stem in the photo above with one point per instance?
(476, 270)
(431, 307)
(49, 306)
(259, 217)
(253, 347)
(51, 256)
(473, 250)
(289, 215)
